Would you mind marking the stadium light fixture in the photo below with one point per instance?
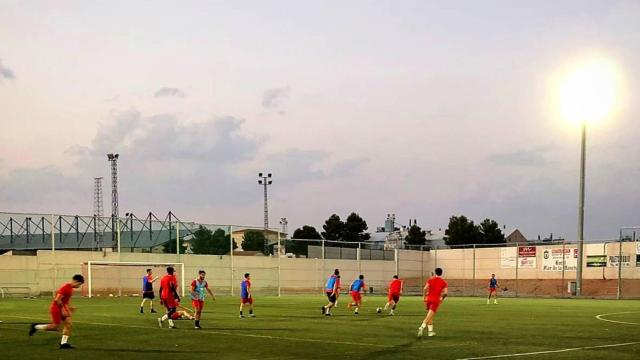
(587, 94)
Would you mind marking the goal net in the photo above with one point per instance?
(119, 278)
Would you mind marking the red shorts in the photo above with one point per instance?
(175, 316)
(432, 304)
(246, 301)
(356, 296)
(197, 304)
(170, 303)
(394, 296)
(491, 290)
(56, 314)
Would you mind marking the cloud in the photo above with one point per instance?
(275, 98)
(530, 157)
(5, 72)
(169, 91)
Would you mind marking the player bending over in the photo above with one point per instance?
(245, 295)
(435, 291)
(61, 312)
(198, 288)
(356, 287)
(493, 289)
(395, 290)
(147, 291)
(333, 291)
(169, 296)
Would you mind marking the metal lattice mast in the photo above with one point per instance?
(98, 208)
(113, 159)
(265, 181)
(284, 222)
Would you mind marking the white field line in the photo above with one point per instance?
(226, 333)
(551, 351)
(601, 317)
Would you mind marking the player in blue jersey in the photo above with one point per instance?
(245, 295)
(147, 291)
(198, 288)
(332, 290)
(493, 289)
(356, 290)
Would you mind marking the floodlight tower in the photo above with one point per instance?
(265, 180)
(284, 222)
(113, 159)
(98, 207)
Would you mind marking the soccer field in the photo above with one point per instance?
(292, 327)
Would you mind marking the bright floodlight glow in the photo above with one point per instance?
(589, 92)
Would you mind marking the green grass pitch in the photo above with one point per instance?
(291, 327)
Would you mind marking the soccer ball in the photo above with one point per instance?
(378, 310)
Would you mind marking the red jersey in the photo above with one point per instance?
(167, 283)
(436, 286)
(66, 291)
(394, 286)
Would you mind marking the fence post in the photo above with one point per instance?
(53, 255)
(421, 265)
(619, 292)
(359, 258)
(473, 284)
(231, 246)
(279, 256)
(563, 250)
(395, 255)
(178, 240)
(517, 261)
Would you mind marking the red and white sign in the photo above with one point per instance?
(527, 251)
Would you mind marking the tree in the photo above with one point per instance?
(301, 247)
(461, 231)
(253, 241)
(170, 246)
(206, 241)
(333, 228)
(490, 232)
(354, 229)
(416, 236)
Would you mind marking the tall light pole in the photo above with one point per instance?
(113, 159)
(587, 94)
(265, 180)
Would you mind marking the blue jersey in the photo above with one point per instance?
(245, 285)
(493, 283)
(147, 285)
(334, 280)
(357, 285)
(199, 291)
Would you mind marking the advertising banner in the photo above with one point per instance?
(596, 260)
(508, 258)
(552, 259)
(637, 253)
(527, 257)
(614, 260)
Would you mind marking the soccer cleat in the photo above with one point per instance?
(327, 314)
(160, 322)
(391, 313)
(420, 331)
(252, 315)
(32, 329)
(172, 327)
(355, 313)
(431, 333)
(66, 346)
(241, 316)
(495, 302)
(197, 327)
(141, 311)
(153, 311)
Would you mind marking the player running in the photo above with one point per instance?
(493, 289)
(245, 295)
(147, 291)
(333, 292)
(198, 288)
(356, 287)
(435, 291)
(396, 286)
(169, 296)
(61, 312)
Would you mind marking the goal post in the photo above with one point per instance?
(128, 275)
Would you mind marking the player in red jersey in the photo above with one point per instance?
(395, 290)
(435, 291)
(169, 296)
(61, 312)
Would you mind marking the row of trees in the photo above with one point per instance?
(460, 231)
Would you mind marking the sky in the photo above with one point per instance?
(424, 109)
